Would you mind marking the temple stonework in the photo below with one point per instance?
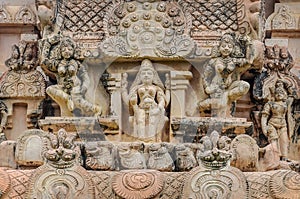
(142, 99)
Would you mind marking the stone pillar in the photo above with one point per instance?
(113, 87)
(179, 84)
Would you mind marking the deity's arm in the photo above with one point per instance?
(84, 77)
(168, 89)
(124, 84)
(133, 98)
(264, 118)
(209, 74)
(161, 98)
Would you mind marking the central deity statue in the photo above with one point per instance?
(221, 79)
(147, 100)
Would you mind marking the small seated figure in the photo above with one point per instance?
(147, 100)
(159, 157)
(274, 120)
(221, 78)
(132, 156)
(15, 61)
(72, 77)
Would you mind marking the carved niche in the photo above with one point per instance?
(30, 146)
(25, 16)
(282, 19)
(61, 176)
(138, 184)
(147, 28)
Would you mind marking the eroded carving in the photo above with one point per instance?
(138, 184)
(147, 99)
(284, 19)
(101, 156)
(25, 15)
(222, 73)
(185, 158)
(160, 158)
(3, 121)
(5, 17)
(132, 155)
(30, 146)
(5, 182)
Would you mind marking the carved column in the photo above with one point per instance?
(179, 84)
(113, 87)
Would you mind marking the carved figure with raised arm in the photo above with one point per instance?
(71, 75)
(222, 73)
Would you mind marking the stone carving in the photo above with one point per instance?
(30, 146)
(213, 152)
(103, 186)
(185, 158)
(212, 15)
(59, 56)
(273, 184)
(131, 155)
(278, 64)
(25, 15)
(284, 19)
(101, 155)
(245, 153)
(19, 179)
(225, 183)
(85, 19)
(147, 29)
(61, 176)
(160, 158)
(147, 99)
(285, 184)
(22, 80)
(5, 182)
(274, 120)
(3, 121)
(5, 17)
(138, 184)
(174, 183)
(222, 73)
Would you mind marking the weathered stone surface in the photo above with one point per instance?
(7, 154)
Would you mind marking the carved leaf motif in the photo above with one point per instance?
(4, 182)
(138, 184)
(4, 15)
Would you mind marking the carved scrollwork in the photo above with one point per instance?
(138, 184)
(227, 183)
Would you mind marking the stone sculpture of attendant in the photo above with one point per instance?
(221, 78)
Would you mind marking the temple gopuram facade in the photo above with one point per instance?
(149, 99)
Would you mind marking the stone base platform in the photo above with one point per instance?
(191, 129)
(135, 184)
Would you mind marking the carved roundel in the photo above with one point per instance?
(138, 184)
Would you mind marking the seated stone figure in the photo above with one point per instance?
(72, 77)
(274, 120)
(221, 78)
(147, 100)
